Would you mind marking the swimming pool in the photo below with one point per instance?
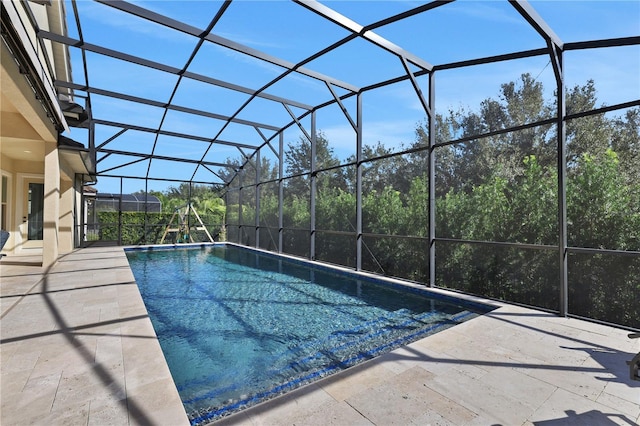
(238, 326)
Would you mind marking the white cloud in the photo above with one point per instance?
(614, 71)
(119, 21)
(469, 87)
(488, 11)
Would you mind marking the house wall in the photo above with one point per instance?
(51, 237)
(67, 210)
(60, 184)
(29, 139)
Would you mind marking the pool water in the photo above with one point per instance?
(238, 327)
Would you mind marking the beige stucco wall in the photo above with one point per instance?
(33, 167)
(66, 222)
(14, 169)
(51, 217)
(28, 138)
(24, 104)
(61, 201)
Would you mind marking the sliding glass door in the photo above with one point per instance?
(35, 209)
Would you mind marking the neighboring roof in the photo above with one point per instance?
(130, 198)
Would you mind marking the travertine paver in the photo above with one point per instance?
(78, 348)
(514, 366)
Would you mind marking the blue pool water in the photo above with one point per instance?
(238, 327)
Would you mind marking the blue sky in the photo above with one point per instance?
(458, 31)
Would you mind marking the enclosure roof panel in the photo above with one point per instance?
(226, 77)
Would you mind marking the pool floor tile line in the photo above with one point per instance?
(78, 348)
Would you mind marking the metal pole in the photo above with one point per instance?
(81, 222)
(92, 136)
(432, 180)
(240, 174)
(312, 201)
(146, 211)
(188, 213)
(120, 215)
(225, 219)
(280, 190)
(562, 188)
(257, 181)
(359, 182)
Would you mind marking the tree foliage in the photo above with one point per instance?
(491, 186)
(132, 228)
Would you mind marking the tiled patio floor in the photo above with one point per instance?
(78, 348)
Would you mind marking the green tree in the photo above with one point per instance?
(603, 212)
(298, 163)
(521, 210)
(625, 141)
(600, 206)
(589, 134)
(381, 170)
(502, 188)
